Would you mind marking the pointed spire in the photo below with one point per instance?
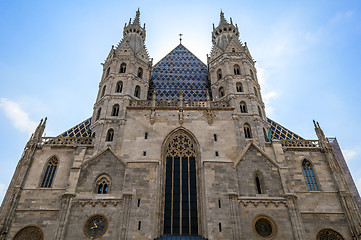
(222, 19)
(137, 18)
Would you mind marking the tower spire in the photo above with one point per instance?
(222, 19)
(137, 18)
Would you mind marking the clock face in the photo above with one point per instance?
(96, 226)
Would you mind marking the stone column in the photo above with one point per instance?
(65, 207)
(295, 215)
(234, 213)
(127, 201)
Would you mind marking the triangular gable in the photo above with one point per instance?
(84, 165)
(234, 44)
(246, 149)
(216, 52)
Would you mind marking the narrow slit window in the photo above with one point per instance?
(146, 135)
(138, 202)
(139, 225)
(219, 203)
(217, 154)
(220, 227)
(258, 185)
(215, 137)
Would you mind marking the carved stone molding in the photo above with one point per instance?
(255, 202)
(97, 202)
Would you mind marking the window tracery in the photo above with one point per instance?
(309, 175)
(103, 184)
(49, 172)
(110, 135)
(239, 87)
(137, 91)
(123, 68)
(237, 70)
(119, 87)
(29, 233)
(115, 110)
(247, 130)
(329, 234)
(243, 107)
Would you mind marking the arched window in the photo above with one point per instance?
(259, 112)
(140, 72)
(49, 172)
(258, 183)
(265, 135)
(30, 232)
(115, 110)
(237, 70)
(239, 87)
(255, 92)
(102, 184)
(326, 234)
(219, 74)
(180, 210)
(252, 74)
(123, 68)
(233, 50)
(93, 135)
(221, 92)
(98, 114)
(107, 72)
(119, 87)
(103, 91)
(309, 175)
(110, 135)
(243, 107)
(247, 130)
(137, 91)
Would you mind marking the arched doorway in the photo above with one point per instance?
(180, 195)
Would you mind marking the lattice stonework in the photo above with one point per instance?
(281, 133)
(180, 70)
(181, 146)
(329, 234)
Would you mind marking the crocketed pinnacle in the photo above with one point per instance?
(136, 20)
(222, 20)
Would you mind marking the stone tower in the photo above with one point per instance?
(233, 77)
(126, 75)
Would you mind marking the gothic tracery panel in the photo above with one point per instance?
(329, 234)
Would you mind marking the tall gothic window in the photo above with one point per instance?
(103, 91)
(219, 74)
(309, 175)
(115, 110)
(123, 68)
(255, 92)
(221, 92)
(137, 91)
(247, 130)
(180, 210)
(119, 87)
(98, 114)
(243, 107)
(110, 135)
(239, 87)
(257, 180)
(236, 70)
(259, 111)
(49, 172)
(252, 74)
(140, 72)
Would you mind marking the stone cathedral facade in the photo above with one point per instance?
(180, 150)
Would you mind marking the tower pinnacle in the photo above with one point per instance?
(222, 20)
(136, 20)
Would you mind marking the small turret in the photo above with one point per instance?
(224, 33)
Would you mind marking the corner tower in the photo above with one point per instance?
(233, 77)
(126, 74)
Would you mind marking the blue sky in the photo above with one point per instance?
(307, 52)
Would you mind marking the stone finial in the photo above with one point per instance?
(137, 18)
(222, 19)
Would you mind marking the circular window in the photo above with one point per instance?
(96, 226)
(326, 234)
(263, 227)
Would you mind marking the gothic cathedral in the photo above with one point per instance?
(180, 150)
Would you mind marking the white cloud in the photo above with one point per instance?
(2, 191)
(18, 117)
(349, 154)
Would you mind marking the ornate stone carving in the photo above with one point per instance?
(29, 233)
(329, 234)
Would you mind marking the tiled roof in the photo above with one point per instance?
(180, 70)
(277, 131)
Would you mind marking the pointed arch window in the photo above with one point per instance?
(140, 72)
(123, 68)
(257, 180)
(221, 92)
(243, 107)
(255, 92)
(239, 87)
(236, 70)
(252, 74)
(219, 74)
(49, 173)
(98, 114)
(107, 72)
(247, 130)
(259, 112)
(119, 87)
(115, 110)
(103, 91)
(102, 184)
(110, 135)
(265, 135)
(180, 210)
(137, 91)
(309, 175)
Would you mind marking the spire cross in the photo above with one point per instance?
(180, 38)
